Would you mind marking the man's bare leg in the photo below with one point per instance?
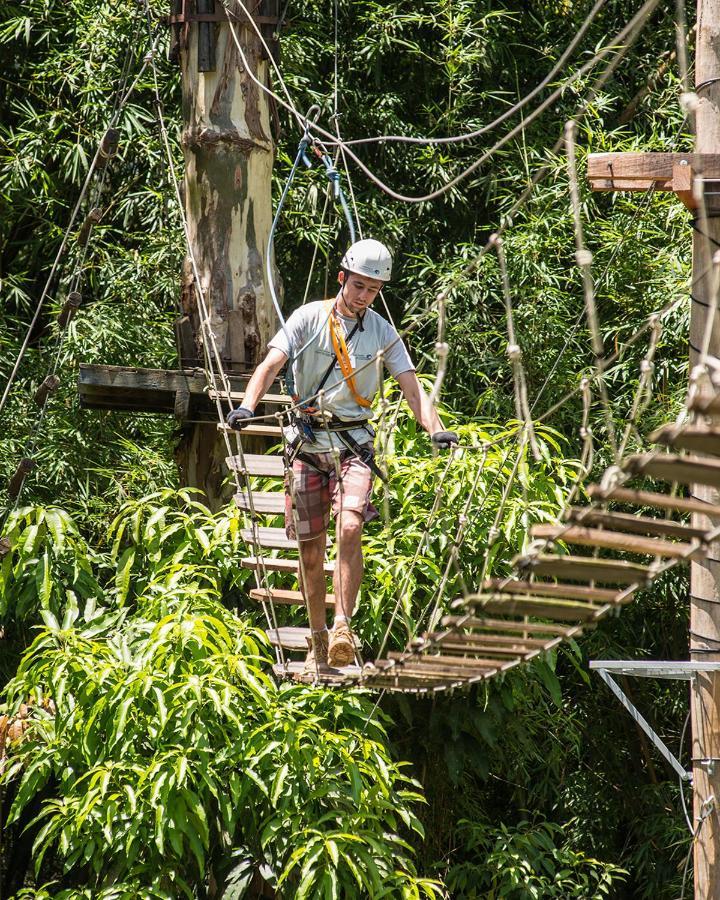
(346, 580)
(312, 580)
(349, 566)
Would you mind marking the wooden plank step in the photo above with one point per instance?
(586, 568)
(670, 467)
(289, 637)
(542, 607)
(617, 521)
(272, 538)
(259, 429)
(273, 564)
(498, 625)
(696, 438)
(659, 501)
(269, 465)
(629, 543)
(549, 589)
(271, 502)
(282, 597)
(238, 396)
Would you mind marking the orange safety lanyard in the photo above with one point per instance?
(337, 336)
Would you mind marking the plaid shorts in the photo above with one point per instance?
(317, 491)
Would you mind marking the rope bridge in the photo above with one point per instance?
(552, 595)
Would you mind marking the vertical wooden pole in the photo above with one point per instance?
(705, 575)
(228, 147)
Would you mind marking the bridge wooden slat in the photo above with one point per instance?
(629, 543)
(273, 564)
(696, 438)
(282, 597)
(271, 502)
(549, 589)
(498, 625)
(541, 607)
(586, 568)
(670, 467)
(295, 669)
(650, 498)
(471, 640)
(424, 668)
(617, 521)
(258, 464)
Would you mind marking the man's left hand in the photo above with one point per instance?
(444, 440)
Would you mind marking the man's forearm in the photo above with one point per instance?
(260, 381)
(419, 403)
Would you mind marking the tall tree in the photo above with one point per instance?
(228, 147)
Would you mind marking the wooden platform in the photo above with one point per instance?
(179, 392)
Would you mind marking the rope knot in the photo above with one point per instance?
(514, 353)
(689, 101)
(583, 258)
(646, 367)
(441, 349)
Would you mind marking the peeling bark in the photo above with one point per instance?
(228, 170)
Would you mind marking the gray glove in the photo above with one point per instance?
(238, 418)
(443, 440)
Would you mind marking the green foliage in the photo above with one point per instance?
(168, 747)
(526, 862)
(129, 586)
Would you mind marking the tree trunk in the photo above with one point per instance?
(228, 150)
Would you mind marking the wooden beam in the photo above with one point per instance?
(640, 171)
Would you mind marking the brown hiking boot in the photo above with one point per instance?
(342, 647)
(317, 657)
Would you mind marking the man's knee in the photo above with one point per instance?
(349, 526)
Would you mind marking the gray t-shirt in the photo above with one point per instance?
(311, 322)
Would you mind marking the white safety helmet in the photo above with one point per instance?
(369, 258)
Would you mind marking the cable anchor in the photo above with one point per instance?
(70, 307)
(49, 386)
(25, 467)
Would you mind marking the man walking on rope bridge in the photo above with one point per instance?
(325, 343)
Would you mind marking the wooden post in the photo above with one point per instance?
(705, 575)
(228, 149)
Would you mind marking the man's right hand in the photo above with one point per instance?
(239, 418)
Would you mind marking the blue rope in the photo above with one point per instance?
(338, 193)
